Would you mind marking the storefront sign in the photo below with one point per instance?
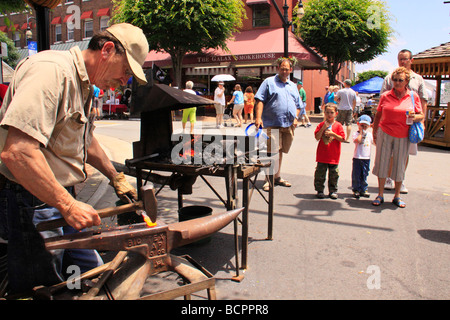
(236, 58)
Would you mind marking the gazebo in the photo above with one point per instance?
(434, 64)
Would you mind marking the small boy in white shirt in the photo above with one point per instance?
(363, 140)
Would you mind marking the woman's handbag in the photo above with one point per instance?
(416, 131)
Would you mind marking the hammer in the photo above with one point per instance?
(150, 205)
(147, 203)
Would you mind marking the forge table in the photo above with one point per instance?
(232, 173)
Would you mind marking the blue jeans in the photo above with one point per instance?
(29, 263)
(360, 172)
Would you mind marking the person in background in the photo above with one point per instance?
(346, 99)
(329, 133)
(277, 108)
(96, 103)
(332, 95)
(325, 98)
(357, 112)
(303, 116)
(390, 131)
(249, 104)
(363, 140)
(238, 101)
(3, 88)
(189, 112)
(219, 99)
(417, 84)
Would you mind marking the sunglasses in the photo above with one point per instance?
(398, 80)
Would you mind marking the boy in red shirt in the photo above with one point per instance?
(330, 134)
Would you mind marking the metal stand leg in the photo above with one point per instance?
(245, 204)
(270, 215)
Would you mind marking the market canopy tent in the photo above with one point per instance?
(371, 86)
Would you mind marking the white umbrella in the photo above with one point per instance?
(223, 77)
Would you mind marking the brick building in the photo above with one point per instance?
(71, 22)
(253, 50)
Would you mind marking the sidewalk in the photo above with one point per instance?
(323, 249)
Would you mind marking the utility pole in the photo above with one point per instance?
(286, 23)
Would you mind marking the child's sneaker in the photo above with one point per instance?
(320, 195)
(333, 195)
(365, 194)
(356, 194)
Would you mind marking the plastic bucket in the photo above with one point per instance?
(194, 212)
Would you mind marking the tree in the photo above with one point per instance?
(345, 30)
(13, 53)
(366, 75)
(179, 27)
(12, 5)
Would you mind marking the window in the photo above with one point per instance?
(261, 16)
(16, 39)
(58, 34)
(104, 23)
(88, 28)
(70, 33)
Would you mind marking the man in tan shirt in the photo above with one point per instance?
(46, 140)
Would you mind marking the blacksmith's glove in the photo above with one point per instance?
(123, 188)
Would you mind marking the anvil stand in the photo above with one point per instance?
(143, 252)
(231, 173)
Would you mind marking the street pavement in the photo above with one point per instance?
(321, 248)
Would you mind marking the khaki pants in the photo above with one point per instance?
(280, 139)
(320, 176)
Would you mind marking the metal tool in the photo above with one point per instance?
(150, 205)
(150, 242)
(152, 245)
(147, 204)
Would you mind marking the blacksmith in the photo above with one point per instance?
(46, 140)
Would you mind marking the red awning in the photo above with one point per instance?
(257, 46)
(250, 2)
(87, 15)
(67, 17)
(4, 29)
(56, 20)
(103, 12)
(14, 27)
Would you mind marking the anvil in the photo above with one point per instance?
(153, 243)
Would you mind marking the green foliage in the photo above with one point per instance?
(345, 30)
(366, 75)
(182, 26)
(12, 5)
(13, 54)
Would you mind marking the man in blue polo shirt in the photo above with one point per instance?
(277, 107)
